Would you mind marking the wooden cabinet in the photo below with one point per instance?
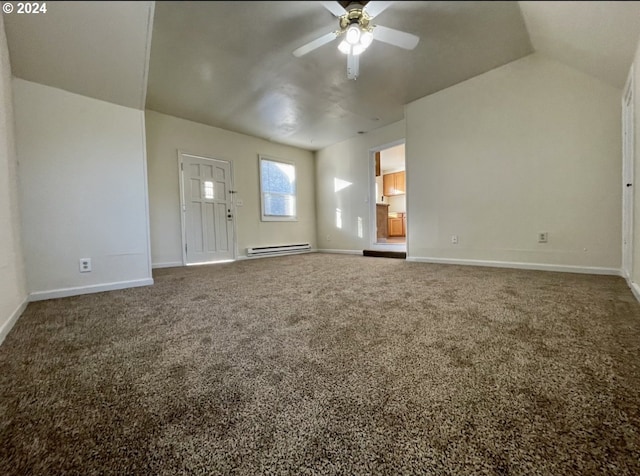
(397, 225)
(382, 212)
(400, 183)
(393, 184)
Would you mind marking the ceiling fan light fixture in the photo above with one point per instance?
(356, 40)
(358, 49)
(344, 47)
(353, 34)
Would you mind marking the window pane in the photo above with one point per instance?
(279, 205)
(278, 183)
(278, 177)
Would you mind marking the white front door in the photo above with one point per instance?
(207, 209)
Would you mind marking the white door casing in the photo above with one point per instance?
(372, 199)
(206, 210)
(627, 177)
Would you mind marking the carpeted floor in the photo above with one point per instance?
(328, 364)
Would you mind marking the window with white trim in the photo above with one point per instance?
(277, 189)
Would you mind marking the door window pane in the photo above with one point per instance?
(208, 190)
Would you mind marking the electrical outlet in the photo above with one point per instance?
(454, 239)
(239, 202)
(543, 237)
(85, 265)
(328, 237)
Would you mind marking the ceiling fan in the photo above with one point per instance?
(358, 32)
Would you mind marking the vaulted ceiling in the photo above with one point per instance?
(97, 49)
(240, 55)
(230, 64)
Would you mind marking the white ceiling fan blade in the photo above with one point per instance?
(375, 8)
(353, 66)
(335, 8)
(395, 37)
(317, 43)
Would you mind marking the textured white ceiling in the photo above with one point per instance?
(598, 38)
(230, 64)
(97, 49)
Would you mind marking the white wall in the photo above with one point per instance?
(349, 161)
(13, 292)
(83, 191)
(529, 147)
(397, 203)
(166, 135)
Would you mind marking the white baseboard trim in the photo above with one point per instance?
(343, 252)
(519, 265)
(635, 289)
(168, 264)
(7, 326)
(95, 288)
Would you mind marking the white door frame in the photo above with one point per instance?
(372, 201)
(183, 226)
(628, 124)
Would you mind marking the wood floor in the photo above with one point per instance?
(397, 239)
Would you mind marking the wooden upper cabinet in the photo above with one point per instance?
(394, 184)
(400, 183)
(388, 184)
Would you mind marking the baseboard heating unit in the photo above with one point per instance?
(278, 250)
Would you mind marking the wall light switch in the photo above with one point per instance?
(454, 239)
(239, 202)
(543, 237)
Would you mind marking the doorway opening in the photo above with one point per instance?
(389, 206)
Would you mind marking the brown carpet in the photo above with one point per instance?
(328, 364)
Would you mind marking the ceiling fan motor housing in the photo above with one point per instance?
(355, 14)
